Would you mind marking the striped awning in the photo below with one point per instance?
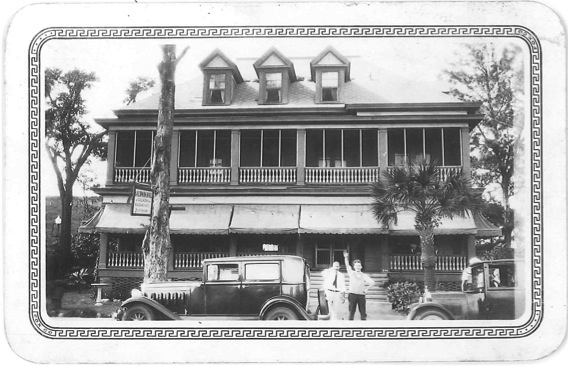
(265, 219)
(339, 219)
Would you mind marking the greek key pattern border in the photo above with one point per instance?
(408, 332)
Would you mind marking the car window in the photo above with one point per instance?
(223, 272)
(262, 271)
(478, 278)
(501, 276)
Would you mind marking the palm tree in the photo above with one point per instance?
(420, 188)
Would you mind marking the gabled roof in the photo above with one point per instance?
(218, 60)
(274, 58)
(330, 57)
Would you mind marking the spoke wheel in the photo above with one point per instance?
(138, 313)
(281, 313)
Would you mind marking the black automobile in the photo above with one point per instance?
(256, 287)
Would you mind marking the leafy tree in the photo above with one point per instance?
(494, 78)
(70, 142)
(420, 189)
(141, 84)
(157, 242)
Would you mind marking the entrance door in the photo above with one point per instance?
(329, 251)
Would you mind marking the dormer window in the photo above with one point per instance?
(217, 89)
(329, 86)
(330, 71)
(275, 74)
(273, 87)
(220, 79)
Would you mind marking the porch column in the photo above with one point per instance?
(301, 158)
(385, 255)
(232, 246)
(383, 150)
(300, 246)
(103, 248)
(171, 258)
(235, 156)
(465, 151)
(471, 246)
(175, 158)
(110, 157)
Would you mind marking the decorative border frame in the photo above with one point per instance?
(312, 333)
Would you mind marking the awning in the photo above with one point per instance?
(486, 228)
(265, 219)
(456, 225)
(191, 219)
(339, 219)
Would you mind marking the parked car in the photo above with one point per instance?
(256, 287)
(497, 292)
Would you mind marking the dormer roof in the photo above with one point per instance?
(330, 58)
(217, 60)
(272, 59)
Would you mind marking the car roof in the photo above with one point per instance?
(498, 261)
(254, 258)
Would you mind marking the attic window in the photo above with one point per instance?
(273, 87)
(329, 86)
(217, 89)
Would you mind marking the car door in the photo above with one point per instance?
(503, 295)
(261, 281)
(222, 289)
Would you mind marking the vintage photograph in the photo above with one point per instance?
(206, 181)
(284, 179)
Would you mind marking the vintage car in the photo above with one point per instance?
(496, 292)
(272, 287)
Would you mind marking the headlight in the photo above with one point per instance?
(135, 293)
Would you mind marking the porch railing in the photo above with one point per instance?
(204, 175)
(195, 260)
(414, 263)
(267, 175)
(444, 170)
(126, 175)
(342, 175)
(125, 260)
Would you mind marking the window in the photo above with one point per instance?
(205, 148)
(134, 148)
(273, 87)
(223, 272)
(268, 148)
(262, 271)
(217, 88)
(329, 86)
(501, 276)
(342, 148)
(439, 145)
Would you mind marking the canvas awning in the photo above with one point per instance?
(486, 228)
(456, 225)
(265, 219)
(339, 219)
(190, 219)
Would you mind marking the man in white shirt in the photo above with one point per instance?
(359, 284)
(334, 286)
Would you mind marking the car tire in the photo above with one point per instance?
(431, 314)
(322, 301)
(138, 313)
(281, 313)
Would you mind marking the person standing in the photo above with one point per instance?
(359, 284)
(334, 286)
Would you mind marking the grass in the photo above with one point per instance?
(80, 304)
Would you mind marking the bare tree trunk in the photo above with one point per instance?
(64, 235)
(157, 243)
(428, 256)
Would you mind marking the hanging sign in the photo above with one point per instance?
(142, 197)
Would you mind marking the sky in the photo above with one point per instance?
(117, 62)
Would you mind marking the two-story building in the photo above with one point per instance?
(279, 161)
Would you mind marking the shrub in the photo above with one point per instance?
(81, 279)
(402, 294)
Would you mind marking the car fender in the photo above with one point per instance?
(428, 305)
(156, 306)
(286, 301)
